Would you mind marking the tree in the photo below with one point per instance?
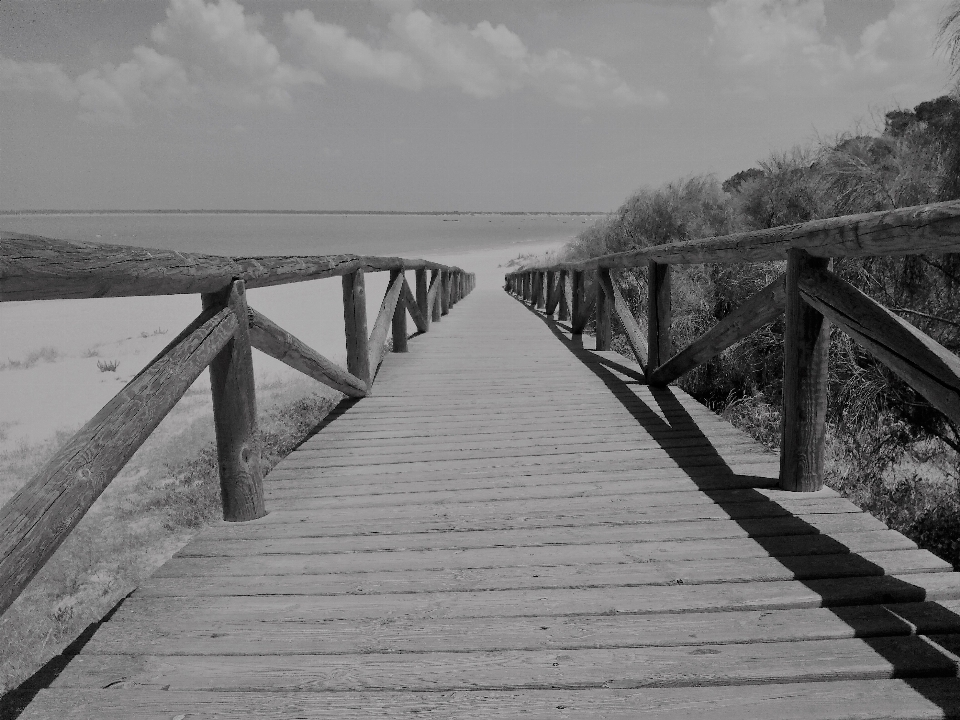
(950, 36)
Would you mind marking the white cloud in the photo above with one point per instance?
(36, 77)
(329, 46)
(782, 42)
(227, 53)
(215, 52)
(485, 61)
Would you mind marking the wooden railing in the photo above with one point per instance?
(808, 293)
(40, 516)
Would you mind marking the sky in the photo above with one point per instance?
(432, 105)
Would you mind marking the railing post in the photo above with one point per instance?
(551, 281)
(806, 345)
(541, 291)
(399, 325)
(527, 280)
(435, 276)
(579, 303)
(422, 300)
(563, 314)
(604, 306)
(444, 292)
(355, 326)
(235, 413)
(659, 315)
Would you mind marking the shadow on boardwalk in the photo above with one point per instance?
(844, 596)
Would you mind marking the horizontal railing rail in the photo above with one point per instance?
(808, 294)
(39, 517)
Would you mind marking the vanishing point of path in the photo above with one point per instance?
(513, 526)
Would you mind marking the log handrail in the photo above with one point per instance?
(809, 296)
(37, 519)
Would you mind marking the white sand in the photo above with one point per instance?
(62, 394)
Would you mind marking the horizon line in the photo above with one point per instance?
(297, 212)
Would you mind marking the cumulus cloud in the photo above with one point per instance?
(783, 41)
(484, 61)
(214, 51)
(211, 51)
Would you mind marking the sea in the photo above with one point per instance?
(405, 235)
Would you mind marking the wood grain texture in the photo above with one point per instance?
(235, 413)
(553, 296)
(921, 361)
(515, 523)
(355, 327)
(39, 268)
(563, 314)
(905, 231)
(762, 308)
(423, 301)
(806, 346)
(604, 304)
(627, 321)
(433, 295)
(580, 314)
(41, 514)
(378, 335)
(399, 320)
(270, 338)
(659, 315)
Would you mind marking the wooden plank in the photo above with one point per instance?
(564, 312)
(270, 338)
(806, 347)
(403, 635)
(553, 293)
(595, 575)
(784, 549)
(235, 412)
(918, 359)
(914, 699)
(433, 295)
(811, 661)
(42, 513)
(378, 336)
(677, 531)
(412, 305)
(762, 308)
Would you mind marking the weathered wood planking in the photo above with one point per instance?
(555, 540)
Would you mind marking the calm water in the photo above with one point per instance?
(270, 234)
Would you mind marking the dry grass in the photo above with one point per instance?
(149, 511)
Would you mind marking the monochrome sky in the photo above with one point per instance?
(432, 104)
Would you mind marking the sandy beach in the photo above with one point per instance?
(50, 362)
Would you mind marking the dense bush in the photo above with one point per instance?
(890, 450)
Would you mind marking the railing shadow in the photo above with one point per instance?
(864, 583)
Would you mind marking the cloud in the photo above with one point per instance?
(330, 47)
(214, 52)
(783, 42)
(485, 61)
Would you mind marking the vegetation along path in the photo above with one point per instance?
(513, 524)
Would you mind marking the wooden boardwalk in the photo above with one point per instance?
(513, 526)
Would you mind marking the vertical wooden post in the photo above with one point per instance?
(579, 303)
(444, 292)
(551, 283)
(541, 291)
(563, 314)
(659, 315)
(604, 306)
(399, 325)
(527, 289)
(235, 413)
(355, 326)
(806, 345)
(435, 310)
(422, 301)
